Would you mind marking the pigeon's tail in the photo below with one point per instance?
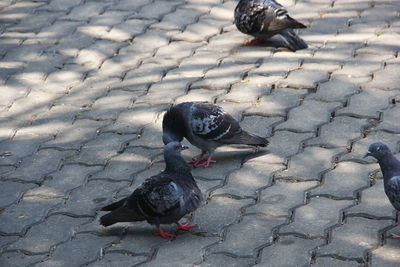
(294, 24)
(122, 214)
(247, 139)
(114, 205)
(292, 40)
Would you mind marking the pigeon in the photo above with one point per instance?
(206, 126)
(266, 18)
(390, 168)
(161, 199)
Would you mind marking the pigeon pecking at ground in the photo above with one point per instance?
(207, 126)
(390, 168)
(162, 199)
(266, 18)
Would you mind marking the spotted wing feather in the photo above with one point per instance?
(211, 122)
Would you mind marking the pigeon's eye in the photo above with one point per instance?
(378, 148)
(176, 147)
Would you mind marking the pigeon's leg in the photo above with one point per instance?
(206, 163)
(185, 226)
(396, 236)
(196, 159)
(163, 234)
(254, 42)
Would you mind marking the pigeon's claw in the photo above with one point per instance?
(163, 234)
(254, 42)
(396, 236)
(185, 227)
(206, 163)
(196, 159)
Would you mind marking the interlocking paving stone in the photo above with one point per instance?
(228, 208)
(86, 200)
(14, 259)
(41, 237)
(249, 89)
(338, 88)
(248, 179)
(344, 180)
(226, 259)
(18, 217)
(308, 76)
(86, 84)
(250, 233)
(387, 255)
(297, 248)
(362, 65)
(328, 262)
(361, 146)
(34, 168)
(285, 143)
(85, 248)
(278, 102)
(181, 249)
(308, 116)
(12, 191)
(339, 133)
(373, 202)
(319, 214)
(353, 238)
(389, 120)
(122, 258)
(309, 164)
(278, 199)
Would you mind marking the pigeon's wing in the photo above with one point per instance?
(157, 196)
(192, 196)
(210, 122)
(393, 191)
(250, 16)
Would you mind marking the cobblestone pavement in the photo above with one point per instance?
(84, 84)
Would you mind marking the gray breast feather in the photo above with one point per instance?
(393, 191)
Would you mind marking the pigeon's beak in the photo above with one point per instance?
(367, 154)
(185, 147)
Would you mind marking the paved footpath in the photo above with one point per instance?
(84, 84)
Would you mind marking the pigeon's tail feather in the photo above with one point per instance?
(292, 40)
(294, 24)
(121, 214)
(114, 205)
(247, 139)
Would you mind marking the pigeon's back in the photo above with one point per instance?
(167, 197)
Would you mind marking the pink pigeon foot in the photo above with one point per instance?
(196, 159)
(396, 236)
(185, 227)
(206, 163)
(163, 234)
(254, 42)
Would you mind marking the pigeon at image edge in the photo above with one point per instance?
(390, 168)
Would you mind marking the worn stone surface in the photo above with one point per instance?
(84, 86)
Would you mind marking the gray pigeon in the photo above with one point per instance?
(266, 18)
(207, 126)
(390, 168)
(162, 199)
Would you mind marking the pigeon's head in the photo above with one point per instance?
(378, 150)
(173, 149)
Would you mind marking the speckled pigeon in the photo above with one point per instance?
(390, 168)
(207, 126)
(266, 18)
(162, 199)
